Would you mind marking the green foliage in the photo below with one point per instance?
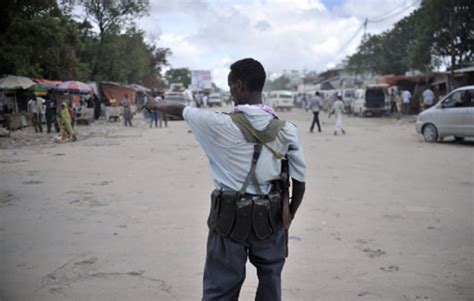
(38, 40)
(438, 29)
(41, 40)
(179, 75)
(111, 16)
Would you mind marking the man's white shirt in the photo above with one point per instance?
(406, 95)
(230, 155)
(428, 97)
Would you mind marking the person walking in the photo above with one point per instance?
(245, 150)
(35, 106)
(428, 98)
(315, 105)
(338, 110)
(406, 97)
(127, 112)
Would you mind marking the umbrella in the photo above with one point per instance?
(12, 82)
(39, 89)
(75, 87)
(49, 84)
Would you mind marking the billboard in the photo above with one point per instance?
(201, 79)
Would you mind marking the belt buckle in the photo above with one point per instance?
(243, 202)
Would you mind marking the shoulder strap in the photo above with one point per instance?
(260, 138)
(255, 136)
(257, 148)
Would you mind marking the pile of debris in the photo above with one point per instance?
(4, 132)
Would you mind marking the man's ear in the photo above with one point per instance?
(239, 85)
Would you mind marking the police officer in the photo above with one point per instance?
(245, 150)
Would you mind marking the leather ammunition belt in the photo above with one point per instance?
(234, 215)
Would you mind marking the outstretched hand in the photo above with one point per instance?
(149, 106)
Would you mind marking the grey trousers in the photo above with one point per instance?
(224, 272)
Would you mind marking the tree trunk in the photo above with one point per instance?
(99, 56)
(452, 37)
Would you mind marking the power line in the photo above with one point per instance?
(376, 20)
(393, 14)
(363, 26)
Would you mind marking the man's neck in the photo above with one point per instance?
(253, 98)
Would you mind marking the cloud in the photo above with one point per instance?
(282, 34)
(263, 25)
(185, 53)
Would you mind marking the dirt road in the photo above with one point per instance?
(120, 215)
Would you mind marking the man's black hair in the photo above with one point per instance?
(250, 72)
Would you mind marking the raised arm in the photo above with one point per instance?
(168, 107)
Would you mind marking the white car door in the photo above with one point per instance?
(451, 115)
(468, 120)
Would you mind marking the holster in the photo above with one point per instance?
(234, 215)
(222, 215)
(243, 221)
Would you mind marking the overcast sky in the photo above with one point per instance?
(282, 34)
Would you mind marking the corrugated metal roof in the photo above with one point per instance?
(465, 70)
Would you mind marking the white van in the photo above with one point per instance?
(281, 100)
(372, 100)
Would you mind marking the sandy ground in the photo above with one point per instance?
(120, 215)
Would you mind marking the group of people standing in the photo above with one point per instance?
(62, 119)
(156, 116)
(401, 102)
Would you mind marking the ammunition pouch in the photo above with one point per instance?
(234, 215)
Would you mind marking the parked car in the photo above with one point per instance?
(214, 99)
(178, 97)
(451, 116)
(372, 100)
(281, 100)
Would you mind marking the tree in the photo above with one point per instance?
(158, 61)
(111, 15)
(38, 40)
(437, 30)
(179, 75)
(449, 26)
(280, 83)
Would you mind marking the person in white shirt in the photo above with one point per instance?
(338, 110)
(406, 97)
(35, 106)
(244, 176)
(428, 98)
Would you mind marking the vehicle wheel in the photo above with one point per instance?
(430, 133)
(459, 139)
